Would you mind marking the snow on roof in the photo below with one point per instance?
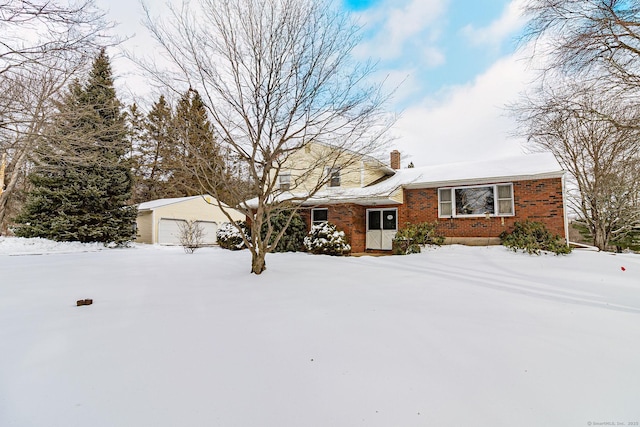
(516, 168)
(519, 168)
(154, 204)
(540, 165)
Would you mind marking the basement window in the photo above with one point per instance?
(319, 216)
(476, 201)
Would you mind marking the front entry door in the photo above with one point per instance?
(382, 225)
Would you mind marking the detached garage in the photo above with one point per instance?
(160, 221)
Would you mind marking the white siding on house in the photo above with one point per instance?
(306, 168)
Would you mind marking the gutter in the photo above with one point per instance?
(482, 180)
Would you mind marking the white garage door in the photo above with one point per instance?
(208, 232)
(169, 231)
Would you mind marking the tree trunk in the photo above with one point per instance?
(258, 264)
(13, 180)
(600, 239)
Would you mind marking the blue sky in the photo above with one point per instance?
(456, 59)
(460, 67)
(462, 59)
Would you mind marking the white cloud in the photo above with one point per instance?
(400, 27)
(506, 25)
(402, 83)
(467, 122)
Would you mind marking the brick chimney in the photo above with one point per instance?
(395, 160)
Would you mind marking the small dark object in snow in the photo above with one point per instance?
(623, 269)
(312, 360)
(84, 302)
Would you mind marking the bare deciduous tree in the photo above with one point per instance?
(37, 31)
(580, 125)
(275, 75)
(43, 45)
(593, 38)
(29, 102)
(584, 110)
(191, 235)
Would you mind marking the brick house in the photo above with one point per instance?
(472, 202)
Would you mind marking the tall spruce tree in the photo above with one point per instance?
(135, 122)
(193, 142)
(153, 153)
(82, 182)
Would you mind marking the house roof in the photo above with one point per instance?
(154, 204)
(520, 168)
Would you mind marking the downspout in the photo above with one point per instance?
(564, 209)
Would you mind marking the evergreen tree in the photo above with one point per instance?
(82, 181)
(155, 151)
(135, 123)
(153, 142)
(193, 142)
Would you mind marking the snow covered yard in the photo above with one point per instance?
(456, 336)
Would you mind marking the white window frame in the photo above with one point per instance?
(497, 199)
(314, 222)
(330, 172)
(382, 219)
(451, 202)
(284, 178)
(496, 205)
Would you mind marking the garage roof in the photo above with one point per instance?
(154, 204)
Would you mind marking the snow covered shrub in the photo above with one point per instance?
(293, 238)
(533, 237)
(229, 236)
(409, 239)
(326, 239)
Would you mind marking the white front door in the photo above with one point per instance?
(382, 225)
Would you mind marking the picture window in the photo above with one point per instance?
(491, 200)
